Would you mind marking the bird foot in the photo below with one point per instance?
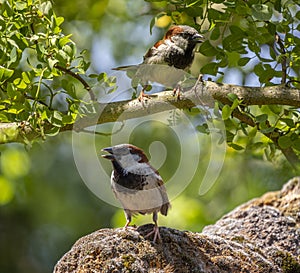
(128, 227)
(155, 231)
(142, 97)
(177, 90)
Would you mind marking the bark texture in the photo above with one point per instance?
(203, 93)
(262, 235)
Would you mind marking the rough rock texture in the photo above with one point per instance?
(262, 235)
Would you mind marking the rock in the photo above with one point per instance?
(262, 235)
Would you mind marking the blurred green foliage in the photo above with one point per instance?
(50, 207)
(44, 204)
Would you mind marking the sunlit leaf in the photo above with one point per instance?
(226, 112)
(232, 97)
(5, 73)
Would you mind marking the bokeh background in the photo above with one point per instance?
(45, 205)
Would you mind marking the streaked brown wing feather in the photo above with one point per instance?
(166, 204)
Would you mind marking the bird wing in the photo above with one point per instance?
(166, 204)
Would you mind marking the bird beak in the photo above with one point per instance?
(197, 38)
(108, 156)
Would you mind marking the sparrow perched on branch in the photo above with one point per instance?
(136, 184)
(176, 50)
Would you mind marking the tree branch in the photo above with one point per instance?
(204, 93)
(207, 92)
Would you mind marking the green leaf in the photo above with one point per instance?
(289, 122)
(261, 12)
(296, 144)
(261, 118)
(232, 97)
(67, 119)
(226, 112)
(57, 115)
(12, 89)
(271, 28)
(215, 34)
(253, 45)
(243, 61)
(21, 5)
(152, 24)
(52, 62)
(210, 68)
(276, 109)
(64, 40)
(267, 130)
(194, 11)
(13, 56)
(237, 31)
(203, 128)
(234, 42)
(229, 136)
(5, 73)
(59, 21)
(235, 104)
(284, 142)
(207, 49)
(252, 132)
(56, 119)
(26, 77)
(45, 7)
(53, 131)
(235, 146)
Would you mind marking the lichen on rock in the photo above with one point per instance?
(262, 235)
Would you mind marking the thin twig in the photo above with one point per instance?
(39, 101)
(79, 78)
(283, 59)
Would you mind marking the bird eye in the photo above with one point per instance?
(185, 35)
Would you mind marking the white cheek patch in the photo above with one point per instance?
(126, 161)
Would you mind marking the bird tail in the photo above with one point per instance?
(164, 209)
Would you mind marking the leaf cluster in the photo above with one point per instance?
(257, 37)
(42, 77)
(261, 39)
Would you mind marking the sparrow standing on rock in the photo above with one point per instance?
(136, 184)
(176, 49)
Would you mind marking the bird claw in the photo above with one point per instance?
(127, 225)
(142, 97)
(177, 90)
(156, 233)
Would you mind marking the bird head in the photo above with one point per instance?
(126, 155)
(183, 36)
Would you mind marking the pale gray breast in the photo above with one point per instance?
(148, 200)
